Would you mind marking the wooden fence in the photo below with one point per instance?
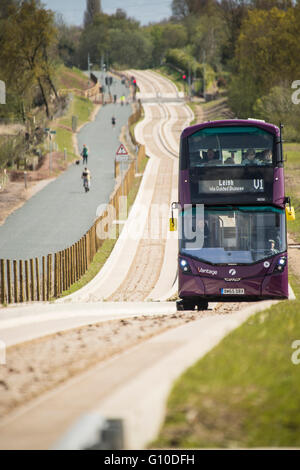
(47, 278)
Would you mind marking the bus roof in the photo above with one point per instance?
(231, 122)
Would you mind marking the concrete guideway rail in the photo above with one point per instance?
(29, 322)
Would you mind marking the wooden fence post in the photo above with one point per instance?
(81, 257)
(88, 261)
(37, 273)
(85, 254)
(3, 293)
(27, 282)
(69, 267)
(66, 269)
(62, 271)
(44, 278)
(55, 276)
(77, 260)
(8, 270)
(21, 276)
(32, 280)
(16, 285)
(51, 276)
(60, 267)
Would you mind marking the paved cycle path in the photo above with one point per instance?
(60, 214)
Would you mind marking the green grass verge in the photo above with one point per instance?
(173, 75)
(133, 125)
(105, 250)
(245, 392)
(68, 78)
(194, 108)
(64, 141)
(97, 263)
(80, 107)
(292, 178)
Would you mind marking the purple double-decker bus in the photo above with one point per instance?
(232, 219)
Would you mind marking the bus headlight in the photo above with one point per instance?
(281, 263)
(184, 266)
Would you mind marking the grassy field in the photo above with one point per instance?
(80, 107)
(245, 392)
(292, 179)
(71, 78)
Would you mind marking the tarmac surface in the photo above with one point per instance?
(61, 213)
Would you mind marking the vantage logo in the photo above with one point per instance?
(207, 271)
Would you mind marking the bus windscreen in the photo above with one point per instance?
(235, 146)
(241, 235)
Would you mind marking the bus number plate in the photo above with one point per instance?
(233, 291)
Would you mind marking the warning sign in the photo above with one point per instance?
(122, 151)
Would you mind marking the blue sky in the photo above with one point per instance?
(142, 10)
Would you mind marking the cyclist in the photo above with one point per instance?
(86, 177)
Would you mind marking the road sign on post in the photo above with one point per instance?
(122, 157)
(122, 154)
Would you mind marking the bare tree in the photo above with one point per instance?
(93, 7)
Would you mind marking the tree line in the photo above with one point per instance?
(249, 46)
(27, 56)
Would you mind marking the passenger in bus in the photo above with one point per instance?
(250, 158)
(267, 158)
(210, 157)
(229, 161)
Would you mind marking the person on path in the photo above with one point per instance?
(113, 121)
(86, 177)
(85, 154)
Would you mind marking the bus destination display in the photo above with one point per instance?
(231, 186)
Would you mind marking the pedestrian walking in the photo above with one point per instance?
(113, 121)
(115, 99)
(122, 99)
(85, 154)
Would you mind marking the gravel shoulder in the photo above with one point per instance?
(37, 366)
